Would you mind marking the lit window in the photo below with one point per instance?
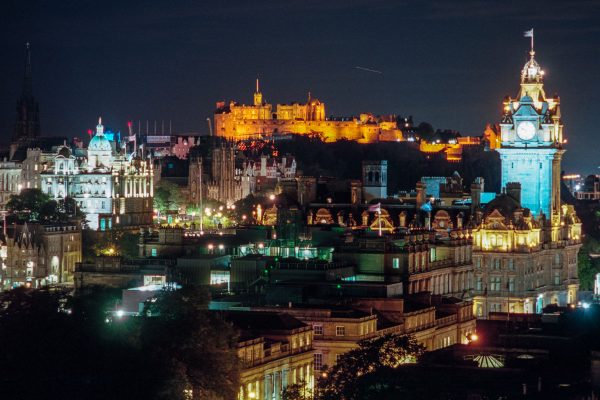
(396, 263)
(340, 331)
(153, 252)
(318, 329)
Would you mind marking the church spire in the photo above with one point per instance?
(27, 125)
(27, 81)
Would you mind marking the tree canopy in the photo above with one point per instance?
(373, 355)
(168, 196)
(33, 205)
(57, 346)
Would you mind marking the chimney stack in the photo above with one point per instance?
(513, 189)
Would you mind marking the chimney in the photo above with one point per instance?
(476, 190)
(513, 189)
(421, 187)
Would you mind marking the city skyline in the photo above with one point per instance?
(128, 63)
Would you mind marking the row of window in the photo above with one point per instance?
(340, 330)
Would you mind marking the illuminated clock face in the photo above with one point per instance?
(526, 130)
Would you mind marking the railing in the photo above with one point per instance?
(420, 327)
(445, 321)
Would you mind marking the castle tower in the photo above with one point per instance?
(374, 174)
(531, 143)
(258, 99)
(27, 125)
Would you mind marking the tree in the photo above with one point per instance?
(168, 197)
(372, 355)
(34, 205)
(297, 391)
(196, 347)
(587, 267)
(245, 206)
(28, 204)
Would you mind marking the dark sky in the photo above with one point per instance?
(447, 62)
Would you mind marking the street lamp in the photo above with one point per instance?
(471, 337)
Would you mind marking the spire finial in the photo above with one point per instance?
(27, 82)
(257, 86)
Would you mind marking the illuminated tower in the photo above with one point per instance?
(531, 143)
(27, 125)
(258, 99)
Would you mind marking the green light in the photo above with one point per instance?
(339, 286)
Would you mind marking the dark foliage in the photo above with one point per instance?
(406, 163)
(34, 205)
(56, 346)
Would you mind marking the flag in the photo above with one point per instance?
(375, 208)
(528, 33)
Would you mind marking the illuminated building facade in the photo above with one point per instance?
(112, 189)
(525, 241)
(10, 180)
(237, 121)
(275, 350)
(339, 329)
(35, 255)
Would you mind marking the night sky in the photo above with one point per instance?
(447, 62)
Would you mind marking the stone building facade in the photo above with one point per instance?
(35, 255)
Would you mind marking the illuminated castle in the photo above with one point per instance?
(238, 121)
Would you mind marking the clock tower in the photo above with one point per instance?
(531, 143)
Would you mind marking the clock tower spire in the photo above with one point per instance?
(531, 142)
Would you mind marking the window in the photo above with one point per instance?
(318, 361)
(478, 263)
(511, 264)
(340, 331)
(496, 263)
(495, 282)
(318, 329)
(478, 283)
(557, 277)
(396, 263)
(153, 252)
(511, 284)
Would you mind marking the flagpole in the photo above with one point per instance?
(531, 39)
(379, 213)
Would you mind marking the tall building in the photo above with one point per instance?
(27, 125)
(531, 143)
(526, 242)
